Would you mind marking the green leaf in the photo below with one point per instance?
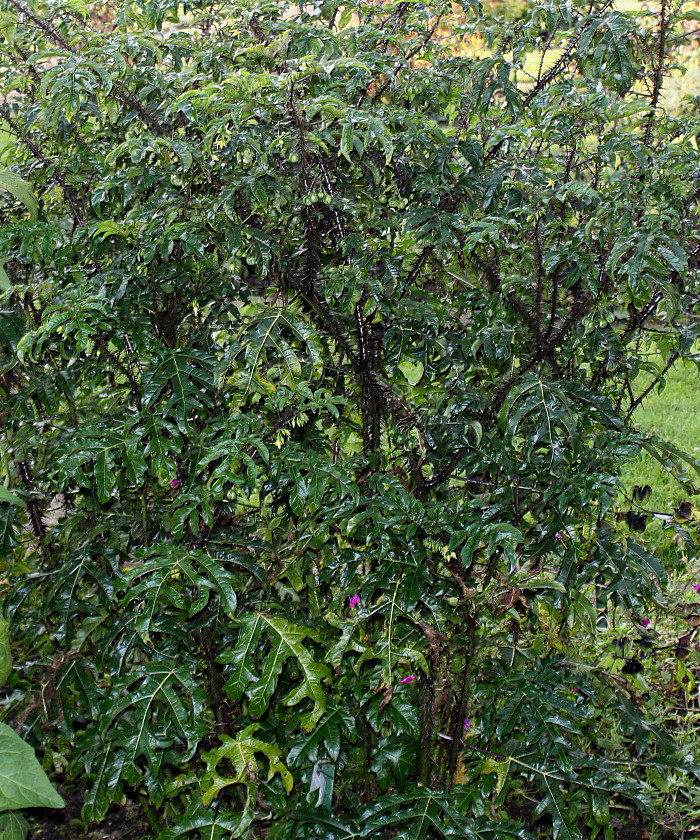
(23, 784)
(177, 578)
(281, 337)
(329, 733)
(241, 753)
(20, 189)
(5, 284)
(347, 139)
(110, 228)
(199, 821)
(500, 768)
(182, 383)
(543, 583)
(13, 827)
(412, 370)
(417, 814)
(286, 642)
(105, 478)
(152, 715)
(659, 781)
(6, 496)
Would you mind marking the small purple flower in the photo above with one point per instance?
(645, 622)
(354, 602)
(466, 725)
(408, 679)
(175, 483)
(575, 690)
(696, 587)
(557, 537)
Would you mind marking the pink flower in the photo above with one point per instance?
(696, 587)
(408, 679)
(175, 483)
(645, 622)
(557, 537)
(466, 725)
(354, 602)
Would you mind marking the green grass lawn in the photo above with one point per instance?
(673, 414)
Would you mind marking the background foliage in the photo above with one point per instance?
(323, 331)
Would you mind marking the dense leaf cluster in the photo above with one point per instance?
(318, 359)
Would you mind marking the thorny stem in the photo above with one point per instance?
(461, 708)
(658, 72)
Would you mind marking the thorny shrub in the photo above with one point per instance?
(319, 356)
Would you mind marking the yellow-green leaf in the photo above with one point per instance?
(19, 189)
